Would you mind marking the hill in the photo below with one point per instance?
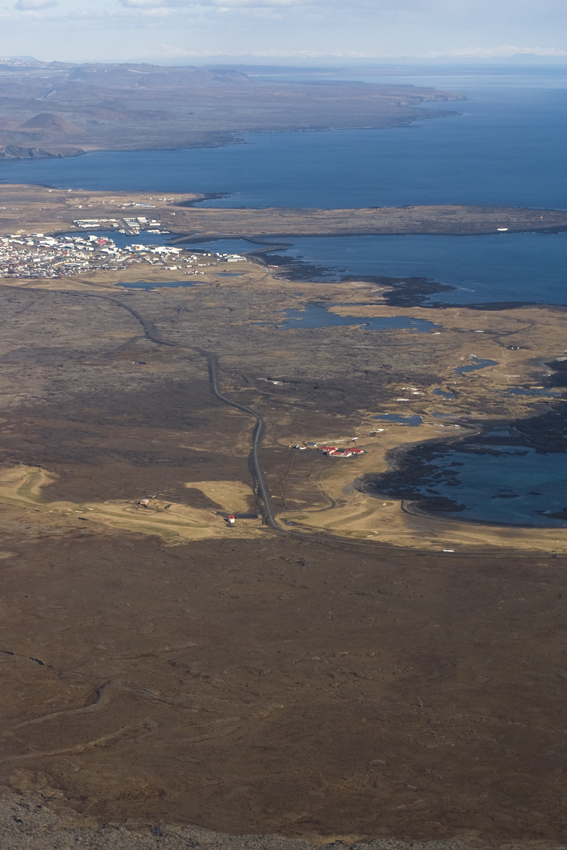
(50, 122)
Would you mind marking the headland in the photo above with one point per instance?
(60, 109)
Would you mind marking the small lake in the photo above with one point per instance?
(478, 363)
(317, 316)
(413, 420)
(141, 284)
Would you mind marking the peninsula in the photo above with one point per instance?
(25, 208)
(61, 109)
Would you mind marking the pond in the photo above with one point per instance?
(318, 316)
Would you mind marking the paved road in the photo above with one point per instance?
(254, 460)
(150, 332)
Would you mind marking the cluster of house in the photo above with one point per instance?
(40, 256)
(131, 226)
(332, 451)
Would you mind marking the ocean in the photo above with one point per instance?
(523, 267)
(505, 146)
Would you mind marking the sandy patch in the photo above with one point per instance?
(21, 487)
(233, 496)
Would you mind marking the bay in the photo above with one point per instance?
(510, 486)
(494, 267)
(505, 146)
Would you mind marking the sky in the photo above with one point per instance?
(185, 30)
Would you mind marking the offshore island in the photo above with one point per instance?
(330, 667)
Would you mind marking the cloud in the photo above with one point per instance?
(110, 29)
(171, 51)
(221, 4)
(505, 50)
(142, 4)
(34, 5)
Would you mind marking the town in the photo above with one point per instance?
(38, 256)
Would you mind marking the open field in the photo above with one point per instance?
(273, 685)
(333, 399)
(22, 486)
(339, 679)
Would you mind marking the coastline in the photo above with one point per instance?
(276, 223)
(153, 116)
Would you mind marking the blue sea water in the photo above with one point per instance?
(505, 146)
(510, 485)
(495, 267)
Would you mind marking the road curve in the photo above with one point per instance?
(150, 332)
(254, 461)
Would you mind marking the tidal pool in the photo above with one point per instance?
(512, 485)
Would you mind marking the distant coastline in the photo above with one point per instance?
(74, 109)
